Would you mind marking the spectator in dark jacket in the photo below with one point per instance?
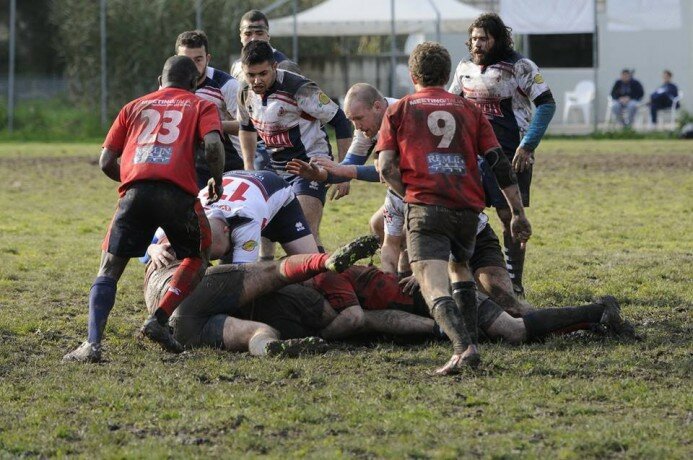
(663, 96)
(626, 94)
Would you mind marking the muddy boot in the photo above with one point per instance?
(349, 254)
(161, 334)
(85, 353)
(292, 348)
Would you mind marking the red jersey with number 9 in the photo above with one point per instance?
(437, 136)
(156, 136)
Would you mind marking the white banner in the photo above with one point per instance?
(548, 16)
(639, 15)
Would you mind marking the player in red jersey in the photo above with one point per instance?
(428, 146)
(154, 137)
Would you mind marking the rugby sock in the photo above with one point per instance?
(101, 300)
(301, 267)
(514, 258)
(449, 319)
(540, 323)
(464, 294)
(186, 277)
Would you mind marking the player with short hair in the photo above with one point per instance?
(428, 144)
(504, 84)
(221, 89)
(154, 138)
(287, 111)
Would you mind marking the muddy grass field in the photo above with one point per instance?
(610, 217)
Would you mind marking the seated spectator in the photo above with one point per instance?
(663, 96)
(626, 94)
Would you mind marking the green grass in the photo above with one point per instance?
(610, 217)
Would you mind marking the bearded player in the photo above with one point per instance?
(504, 84)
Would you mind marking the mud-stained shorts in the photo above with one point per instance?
(487, 251)
(217, 293)
(436, 232)
(148, 205)
(294, 310)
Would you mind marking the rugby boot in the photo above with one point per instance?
(85, 353)
(612, 320)
(161, 334)
(347, 255)
(292, 348)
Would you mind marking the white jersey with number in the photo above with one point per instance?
(249, 202)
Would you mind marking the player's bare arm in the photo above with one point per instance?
(389, 171)
(520, 227)
(248, 141)
(109, 164)
(214, 154)
(230, 127)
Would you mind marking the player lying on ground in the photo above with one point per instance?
(252, 204)
(154, 137)
(218, 312)
(376, 301)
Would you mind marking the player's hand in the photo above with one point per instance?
(338, 191)
(521, 229)
(327, 164)
(523, 159)
(161, 254)
(308, 171)
(214, 191)
(409, 285)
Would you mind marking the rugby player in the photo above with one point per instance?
(255, 26)
(228, 293)
(436, 171)
(219, 88)
(252, 204)
(389, 309)
(287, 111)
(154, 138)
(503, 84)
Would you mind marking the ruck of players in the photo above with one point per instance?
(217, 169)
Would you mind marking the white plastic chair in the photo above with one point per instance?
(673, 112)
(580, 98)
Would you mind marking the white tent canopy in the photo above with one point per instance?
(373, 17)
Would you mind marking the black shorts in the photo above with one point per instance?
(295, 311)
(436, 232)
(148, 205)
(289, 224)
(494, 196)
(487, 251)
(218, 293)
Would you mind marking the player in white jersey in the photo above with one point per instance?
(504, 84)
(219, 88)
(288, 112)
(253, 204)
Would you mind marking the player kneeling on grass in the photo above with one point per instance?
(155, 137)
(435, 169)
(250, 306)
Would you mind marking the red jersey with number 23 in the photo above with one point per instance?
(437, 136)
(156, 137)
